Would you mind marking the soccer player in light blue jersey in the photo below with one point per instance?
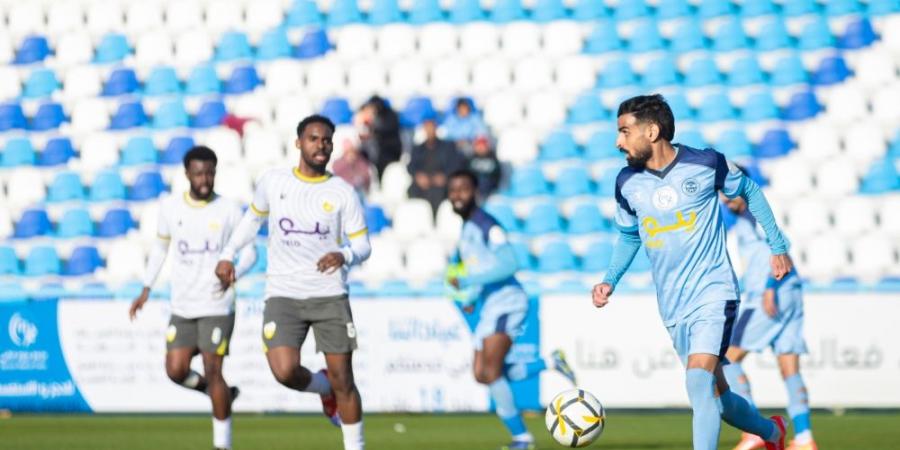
(771, 316)
(484, 272)
(667, 200)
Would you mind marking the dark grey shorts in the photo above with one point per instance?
(286, 322)
(210, 334)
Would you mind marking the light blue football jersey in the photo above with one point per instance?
(676, 213)
(482, 247)
(755, 258)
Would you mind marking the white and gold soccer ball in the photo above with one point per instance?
(575, 418)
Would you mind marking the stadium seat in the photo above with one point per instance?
(597, 257)
(49, 116)
(775, 143)
(491, 75)
(524, 259)
(83, 261)
(729, 34)
(343, 12)
(57, 151)
(314, 44)
(615, 74)
(645, 38)
(889, 215)
(544, 110)
(517, 146)
(263, 15)
(425, 260)
(854, 216)
(758, 107)
(385, 263)
(116, 222)
(413, 219)
(121, 81)
(543, 219)
(572, 181)
(437, 40)
(113, 47)
(203, 80)
(64, 17)
(422, 12)
(376, 220)
(773, 35)
(365, 78)
(601, 145)
(9, 262)
(211, 114)
(75, 223)
(41, 83)
(709, 9)
(233, 45)
(702, 72)
(82, 82)
(505, 11)
(129, 115)
(417, 110)
(25, 18)
(34, 49)
(532, 74)
(548, 11)
(836, 177)
(808, 216)
(832, 70)
(289, 108)
(104, 18)
(575, 74)
(303, 13)
(138, 150)
(447, 223)
(42, 260)
(660, 72)
(815, 35)
(34, 222)
(586, 218)
(588, 10)
(143, 16)
(520, 39)
(882, 177)
(65, 186)
(273, 45)
(559, 145)
(338, 110)
(107, 186)
(147, 186)
(170, 114)
(715, 107)
(527, 181)
(691, 138)
(858, 34)
(555, 257)
(18, 151)
(871, 258)
(162, 81)
(242, 80)
(226, 142)
(223, 16)
(626, 11)
(733, 143)
(745, 71)
(125, 260)
(193, 47)
(587, 109)
(802, 106)
(688, 37)
(825, 257)
(24, 187)
(177, 147)
(504, 215)
(74, 48)
(10, 83)
(408, 77)
(266, 148)
(98, 151)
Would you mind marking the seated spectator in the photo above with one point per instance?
(464, 125)
(485, 165)
(379, 131)
(430, 164)
(353, 167)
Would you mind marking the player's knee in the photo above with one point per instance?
(283, 373)
(341, 382)
(490, 374)
(212, 370)
(176, 371)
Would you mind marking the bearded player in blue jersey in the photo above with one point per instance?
(667, 200)
(483, 271)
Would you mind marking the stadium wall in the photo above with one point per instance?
(415, 355)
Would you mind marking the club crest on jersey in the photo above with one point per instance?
(665, 198)
(690, 186)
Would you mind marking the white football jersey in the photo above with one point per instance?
(197, 231)
(308, 218)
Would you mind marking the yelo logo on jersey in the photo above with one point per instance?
(653, 228)
(328, 207)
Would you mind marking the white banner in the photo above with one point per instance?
(414, 355)
(624, 356)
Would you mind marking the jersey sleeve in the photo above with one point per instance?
(260, 203)
(353, 219)
(729, 177)
(163, 230)
(625, 218)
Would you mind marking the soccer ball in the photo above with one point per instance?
(575, 418)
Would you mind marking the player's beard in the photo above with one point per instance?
(197, 192)
(639, 159)
(466, 209)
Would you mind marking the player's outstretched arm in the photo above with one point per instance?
(155, 262)
(245, 260)
(242, 236)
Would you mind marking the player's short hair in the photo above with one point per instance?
(465, 173)
(654, 109)
(200, 153)
(315, 118)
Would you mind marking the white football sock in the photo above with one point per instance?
(222, 433)
(353, 436)
(318, 383)
(803, 437)
(524, 437)
(192, 380)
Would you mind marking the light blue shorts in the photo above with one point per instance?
(755, 330)
(705, 330)
(503, 312)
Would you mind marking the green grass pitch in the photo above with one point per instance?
(650, 430)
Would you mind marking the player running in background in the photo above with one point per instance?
(667, 198)
(483, 270)
(317, 231)
(771, 316)
(198, 223)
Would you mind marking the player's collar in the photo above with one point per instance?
(667, 169)
(318, 179)
(197, 203)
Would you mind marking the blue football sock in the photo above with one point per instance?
(522, 371)
(506, 407)
(707, 422)
(798, 403)
(737, 380)
(742, 415)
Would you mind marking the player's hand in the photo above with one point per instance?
(601, 294)
(454, 281)
(331, 262)
(769, 305)
(138, 303)
(781, 266)
(225, 274)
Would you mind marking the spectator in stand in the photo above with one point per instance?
(485, 166)
(379, 127)
(431, 164)
(463, 125)
(353, 166)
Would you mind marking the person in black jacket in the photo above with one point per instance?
(431, 163)
(380, 133)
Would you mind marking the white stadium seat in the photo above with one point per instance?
(520, 39)
(408, 77)
(155, 48)
(873, 257)
(10, 83)
(74, 48)
(99, 151)
(184, 15)
(449, 77)
(533, 74)
(864, 142)
(837, 176)
(226, 142)
(222, 16)
(825, 257)
(290, 110)
(479, 39)
(395, 181)
(263, 15)
(575, 74)
(235, 183)
(490, 75)
(819, 141)
(517, 146)
(355, 42)
(437, 40)
(26, 18)
(6, 224)
(876, 68)
(105, 17)
(63, 17)
(326, 76)
(284, 76)
(81, 82)
(808, 216)
(24, 188)
(7, 52)
(545, 110)
(562, 38)
(886, 107)
(366, 78)
(385, 263)
(889, 215)
(413, 219)
(846, 104)
(263, 147)
(192, 48)
(854, 216)
(90, 114)
(396, 41)
(425, 260)
(503, 109)
(448, 223)
(253, 106)
(126, 260)
(142, 17)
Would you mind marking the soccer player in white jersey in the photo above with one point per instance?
(198, 223)
(317, 230)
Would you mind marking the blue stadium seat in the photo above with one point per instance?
(203, 80)
(121, 81)
(129, 115)
(794, 8)
(645, 38)
(274, 44)
(376, 219)
(42, 260)
(755, 174)
(113, 47)
(859, 34)
(672, 9)
(162, 81)
(338, 110)
(880, 8)
(233, 45)
(631, 10)
(597, 257)
(211, 114)
(688, 37)
(314, 44)
(773, 35)
(691, 138)
(729, 36)
(9, 262)
(57, 151)
(34, 222)
(40, 83)
(757, 8)
(75, 223)
(660, 72)
(556, 257)
(504, 214)
(34, 49)
(542, 219)
(775, 143)
(524, 260)
(587, 219)
(715, 107)
(615, 74)
(116, 222)
(837, 8)
(49, 116)
(176, 149)
(12, 116)
(138, 150)
(303, 13)
(601, 145)
(148, 185)
(107, 186)
(815, 35)
(709, 9)
(548, 10)
(680, 107)
(171, 114)
(343, 12)
(84, 260)
(463, 11)
(18, 152)
(243, 79)
(759, 106)
(587, 109)
(734, 144)
(572, 181)
(745, 71)
(832, 70)
(606, 183)
(387, 11)
(66, 186)
(507, 11)
(588, 10)
(881, 178)
(802, 106)
(418, 110)
(559, 145)
(527, 181)
(702, 72)
(787, 71)
(603, 38)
